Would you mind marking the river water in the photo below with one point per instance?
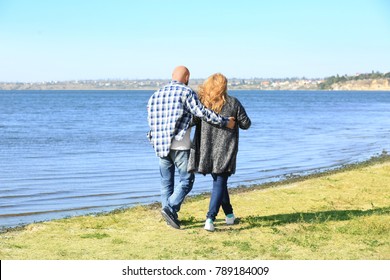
(65, 153)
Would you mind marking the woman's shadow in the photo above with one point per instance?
(250, 222)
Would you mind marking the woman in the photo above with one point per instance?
(214, 150)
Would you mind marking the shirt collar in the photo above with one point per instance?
(177, 83)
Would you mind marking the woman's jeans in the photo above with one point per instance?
(219, 196)
(172, 196)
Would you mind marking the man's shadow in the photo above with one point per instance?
(250, 222)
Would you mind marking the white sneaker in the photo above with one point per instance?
(209, 225)
(230, 219)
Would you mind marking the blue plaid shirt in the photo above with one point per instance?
(170, 111)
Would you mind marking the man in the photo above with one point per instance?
(170, 111)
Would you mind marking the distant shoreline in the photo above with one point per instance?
(382, 84)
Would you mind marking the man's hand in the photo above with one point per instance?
(232, 123)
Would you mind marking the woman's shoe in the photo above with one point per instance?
(230, 219)
(209, 225)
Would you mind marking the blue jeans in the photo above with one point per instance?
(172, 196)
(219, 196)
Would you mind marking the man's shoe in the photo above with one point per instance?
(209, 225)
(169, 218)
(230, 219)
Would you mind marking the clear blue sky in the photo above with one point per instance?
(42, 40)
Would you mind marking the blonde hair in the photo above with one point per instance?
(213, 92)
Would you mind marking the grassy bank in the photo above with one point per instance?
(337, 215)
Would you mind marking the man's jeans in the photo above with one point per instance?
(173, 196)
(219, 196)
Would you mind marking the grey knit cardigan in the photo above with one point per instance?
(214, 149)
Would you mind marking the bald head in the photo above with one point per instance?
(181, 74)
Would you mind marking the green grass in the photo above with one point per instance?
(343, 214)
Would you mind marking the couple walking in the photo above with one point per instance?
(172, 111)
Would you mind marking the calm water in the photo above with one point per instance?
(71, 153)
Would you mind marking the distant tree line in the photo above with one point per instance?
(328, 82)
